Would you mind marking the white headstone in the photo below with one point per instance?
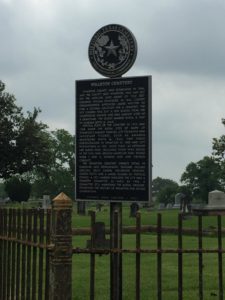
(45, 202)
(169, 206)
(216, 199)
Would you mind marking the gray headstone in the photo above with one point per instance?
(216, 199)
(178, 197)
(169, 206)
(99, 240)
(46, 202)
(161, 206)
(134, 207)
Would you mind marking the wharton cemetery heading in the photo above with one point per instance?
(113, 139)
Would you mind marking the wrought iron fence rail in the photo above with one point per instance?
(145, 251)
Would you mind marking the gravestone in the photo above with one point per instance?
(161, 206)
(46, 202)
(215, 206)
(134, 207)
(99, 240)
(216, 199)
(169, 206)
(81, 208)
(177, 201)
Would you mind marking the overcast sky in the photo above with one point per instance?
(44, 46)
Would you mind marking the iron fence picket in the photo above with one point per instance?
(138, 256)
(41, 254)
(13, 277)
(9, 253)
(28, 258)
(159, 256)
(200, 258)
(23, 257)
(18, 254)
(180, 258)
(92, 258)
(5, 244)
(34, 255)
(220, 258)
(47, 255)
(1, 253)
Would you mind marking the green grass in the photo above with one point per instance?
(169, 218)
(81, 263)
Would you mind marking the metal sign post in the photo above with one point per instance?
(116, 258)
(113, 135)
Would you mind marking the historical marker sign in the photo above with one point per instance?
(113, 139)
(112, 50)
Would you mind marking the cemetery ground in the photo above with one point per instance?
(148, 275)
(149, 261)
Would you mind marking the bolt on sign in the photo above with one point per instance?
(113, 123)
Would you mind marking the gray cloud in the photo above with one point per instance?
(186, 37)
(181, 43)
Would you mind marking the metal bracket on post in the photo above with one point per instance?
(61, 256)
(116, 258)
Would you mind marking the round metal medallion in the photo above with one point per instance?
(112, 50)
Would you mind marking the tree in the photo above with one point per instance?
(64, 150)
(167, 194)
(159, 183)
(203, 176)
(10, 124)
(17, 189)
(24, 144)
(2, 190)
(61, 169)
(219, 154)
(164, 190)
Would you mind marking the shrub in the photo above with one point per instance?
(17, 189)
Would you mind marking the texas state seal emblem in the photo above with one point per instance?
(112, 50)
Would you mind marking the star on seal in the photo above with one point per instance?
(112, 50)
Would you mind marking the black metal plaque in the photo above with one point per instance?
(112, 50)
(113, 139)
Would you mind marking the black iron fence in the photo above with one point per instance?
(159, 251)
(24, 256)
(36, 254)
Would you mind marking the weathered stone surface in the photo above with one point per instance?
(216, 199)
(61, 256)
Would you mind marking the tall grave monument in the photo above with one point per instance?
(113, 133)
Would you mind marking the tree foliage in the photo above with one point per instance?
(23, 140)
(17, 189)
(202, 177)
(64, 150)
(2, 190)
(61, 169)
(219, 154)
(164, 190)
(219, 146)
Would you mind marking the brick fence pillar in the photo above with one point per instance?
(61, 256)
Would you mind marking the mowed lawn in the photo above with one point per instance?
(81, 262)
(169, 218)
